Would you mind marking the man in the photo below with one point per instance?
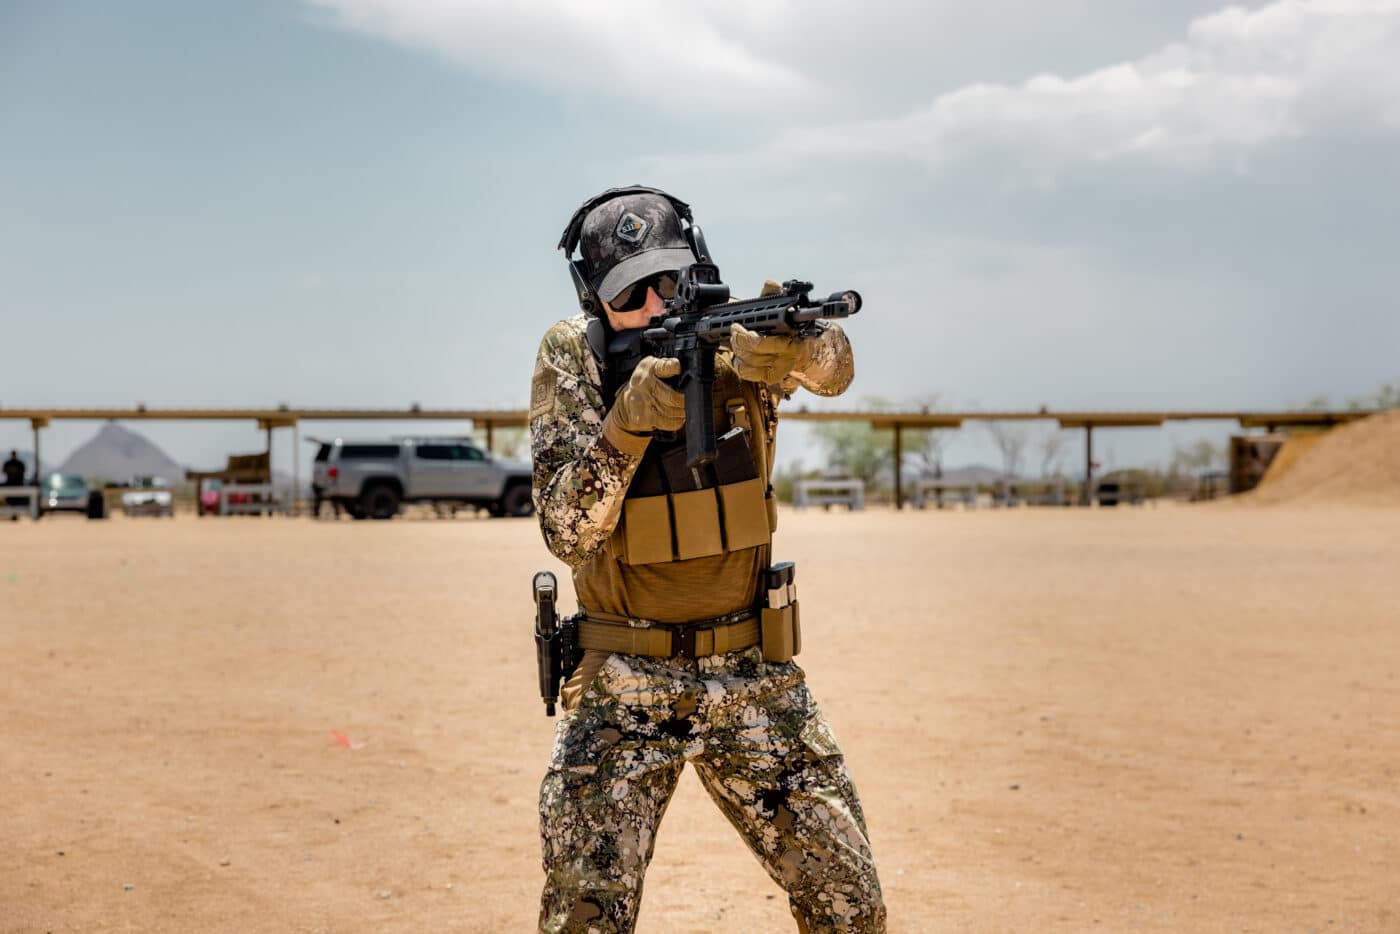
(675, 670)
(14, 476)
(14, 470)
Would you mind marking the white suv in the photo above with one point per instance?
(371, 479)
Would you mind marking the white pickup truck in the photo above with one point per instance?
(372, 479)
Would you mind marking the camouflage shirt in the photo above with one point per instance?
(582, 466)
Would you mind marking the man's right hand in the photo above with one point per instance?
(646, 403)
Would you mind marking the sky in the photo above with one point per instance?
(1114, 204)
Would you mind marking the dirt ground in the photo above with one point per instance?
(1151, 719)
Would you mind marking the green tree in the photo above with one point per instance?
(509, 442)
(1386, 396)
(855, 447)
(1318, 403)
(785, 480)
(1198, 457)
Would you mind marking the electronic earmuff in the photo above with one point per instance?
(579, 271)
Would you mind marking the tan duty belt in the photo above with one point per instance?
(669, 640)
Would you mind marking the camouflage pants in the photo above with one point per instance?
(762, 750)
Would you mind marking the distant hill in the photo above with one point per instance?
(118, 454)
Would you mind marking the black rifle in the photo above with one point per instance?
(697, 323)
(555, 651)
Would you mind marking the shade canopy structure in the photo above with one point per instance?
(285, 416)
(924, 419)
(920, 419)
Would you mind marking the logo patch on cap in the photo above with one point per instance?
(632, 228)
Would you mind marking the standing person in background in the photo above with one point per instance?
(14, 470)
(14, 476)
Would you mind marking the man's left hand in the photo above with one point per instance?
(770, 359)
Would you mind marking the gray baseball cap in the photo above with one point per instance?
(629, 238)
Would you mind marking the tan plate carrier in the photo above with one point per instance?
(680, 526)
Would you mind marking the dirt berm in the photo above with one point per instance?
(1354, 465)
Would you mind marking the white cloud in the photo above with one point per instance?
(670, 54)
(1240, 79)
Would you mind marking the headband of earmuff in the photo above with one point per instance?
(569, 241)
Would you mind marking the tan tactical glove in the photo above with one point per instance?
(646, 403)
(770, 359)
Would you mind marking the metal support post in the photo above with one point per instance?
(296, 468)
(898, 466)
(1087, 499)
(271, 487)
(36, 424)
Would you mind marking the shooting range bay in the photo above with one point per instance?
(1154, 719)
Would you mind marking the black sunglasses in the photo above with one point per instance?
(635, 295)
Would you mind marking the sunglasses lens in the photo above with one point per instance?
(623, 300)
(635, 295)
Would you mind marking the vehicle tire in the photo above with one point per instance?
(380, 501)
(516, 502)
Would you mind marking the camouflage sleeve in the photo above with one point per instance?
(832, 368)
(582, 463)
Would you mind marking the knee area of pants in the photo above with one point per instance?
(846, 913)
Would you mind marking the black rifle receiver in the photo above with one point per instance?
(697, 323)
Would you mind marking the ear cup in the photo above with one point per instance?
(587, 299)
(696, 238)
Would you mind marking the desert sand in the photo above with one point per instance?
(1357, 464)
(1141, 719)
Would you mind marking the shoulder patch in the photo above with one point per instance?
(542, 391)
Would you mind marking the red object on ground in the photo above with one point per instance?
(341, 738)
